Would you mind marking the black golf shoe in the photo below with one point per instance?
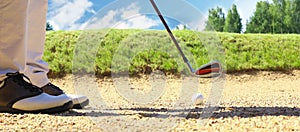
(20, 96)
(79, 101)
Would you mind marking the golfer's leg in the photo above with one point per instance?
(12, 35)
(36, 68)
(16, 94)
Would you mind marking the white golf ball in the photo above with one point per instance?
(197, 99)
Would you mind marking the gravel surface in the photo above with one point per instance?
(251, 101)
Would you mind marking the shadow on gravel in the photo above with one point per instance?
(255, 72)
(221, 112)
(247, 112)
(90, 113)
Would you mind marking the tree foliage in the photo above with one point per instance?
(277, 17)
(49, 27)
(233, 23)
(280, 16)
(216, 20)
(261, 21)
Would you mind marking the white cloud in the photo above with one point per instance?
(180, 27)
(64, 14)
(130, 10)
(53, 24)
(246, 10)
(198, 24)
(139, 22)
(122, 18)
(104, 22)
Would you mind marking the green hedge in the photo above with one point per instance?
(261, 51)
(141, 51)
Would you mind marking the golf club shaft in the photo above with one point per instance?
(172, 36)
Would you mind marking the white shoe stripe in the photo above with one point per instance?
(40, 102)
(77, 99)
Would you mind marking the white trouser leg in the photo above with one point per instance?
(13, 31)
(36, 69)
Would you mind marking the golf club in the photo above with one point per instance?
(210, 70)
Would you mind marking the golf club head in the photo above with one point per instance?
(210, 70)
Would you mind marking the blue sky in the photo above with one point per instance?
(83, 14)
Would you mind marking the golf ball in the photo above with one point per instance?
(197, 99)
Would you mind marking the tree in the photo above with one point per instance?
(49, 27)
(281, 16)
(216, 20)
(288, 17)
(278, 14)
(292, 16)
(233, 23)
(261, 22)
(296, 15)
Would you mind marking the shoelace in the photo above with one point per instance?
(19, 79)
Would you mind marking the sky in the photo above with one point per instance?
(122, 14)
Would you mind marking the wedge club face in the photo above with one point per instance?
(210, 70)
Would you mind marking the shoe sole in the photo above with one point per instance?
(81, 105)
(58, 109)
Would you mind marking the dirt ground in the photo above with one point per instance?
(249, 101)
